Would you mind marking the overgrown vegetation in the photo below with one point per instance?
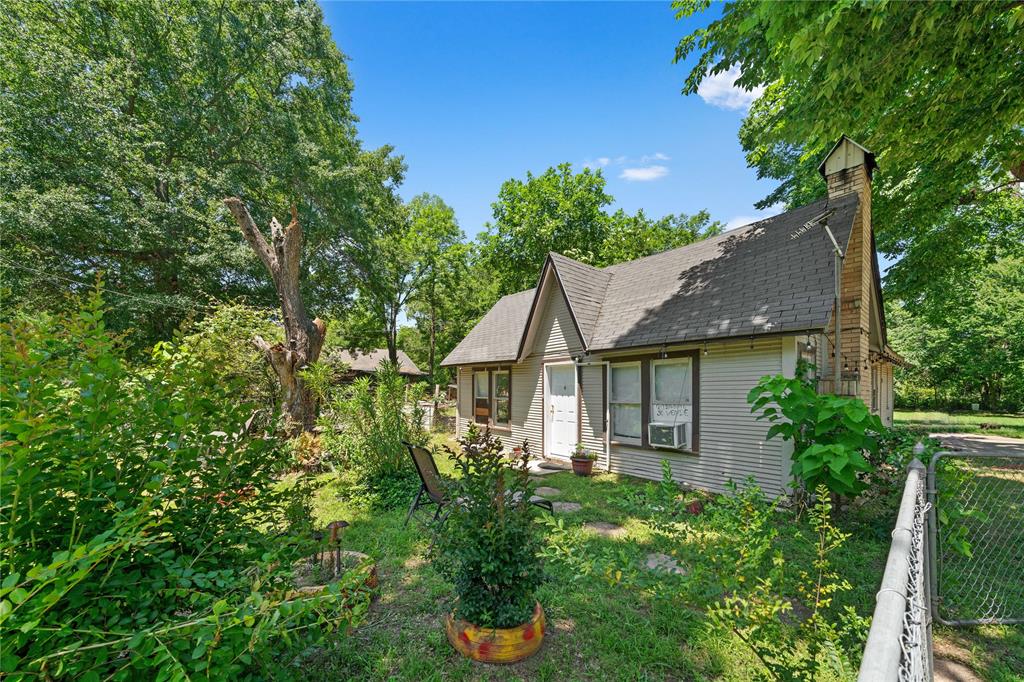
(830, 434)
(364, 430)
(489, 544)
(142, 532)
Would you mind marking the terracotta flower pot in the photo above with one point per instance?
(582, 466)
(497, 645)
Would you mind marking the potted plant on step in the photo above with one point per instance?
(488, 548)
(582, 460)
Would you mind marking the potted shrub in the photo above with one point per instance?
(582, 460)
(488, 548)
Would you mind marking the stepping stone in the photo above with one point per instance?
(603, 528)
(543, 467)
(656, 561)
(545, 491)
(566, 507)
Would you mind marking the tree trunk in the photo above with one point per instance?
(433, 341)
(304, 338)
(393, 336)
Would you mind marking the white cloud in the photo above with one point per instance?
(644, 173)
(741, 220)
(657, 156)
(720, 90)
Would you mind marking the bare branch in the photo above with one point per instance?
(252, 233)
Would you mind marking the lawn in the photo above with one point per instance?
(598, 630)
(992, 423)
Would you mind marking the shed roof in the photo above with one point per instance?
(369, 362)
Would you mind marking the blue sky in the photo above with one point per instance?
(474, 94)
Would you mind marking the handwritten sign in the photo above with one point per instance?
(671, 414)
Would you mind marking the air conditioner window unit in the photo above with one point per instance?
(672, 436)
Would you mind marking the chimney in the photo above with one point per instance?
(847, 169)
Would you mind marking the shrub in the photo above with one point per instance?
(489, 547)
(830, 434)
(365, 428)
(141, 524)
(816, 644)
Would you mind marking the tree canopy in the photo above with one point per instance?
(126, 124)
(936, 90)
(564, 211)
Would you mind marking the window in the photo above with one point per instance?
(492, 397)
(624, 402)
(672, 396)
(481, 397)
(654, 390)
(502, 394)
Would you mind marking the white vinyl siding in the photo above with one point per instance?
(592, 416)
(732, 443)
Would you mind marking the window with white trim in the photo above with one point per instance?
(672, 396)
(624, 402)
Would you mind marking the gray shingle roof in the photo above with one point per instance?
(368, 362)
(496, 336)
(585, 288)
(772, 276)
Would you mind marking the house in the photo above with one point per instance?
(653, 359)
(361, 364)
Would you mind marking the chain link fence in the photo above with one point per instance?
(976, 532)
(899, 645)
(957, 556)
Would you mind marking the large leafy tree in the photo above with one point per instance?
(935, 89)
(635, 236)
(565, 212)
(966, 345)
(559, 210)
(399, 261)
(125, 124)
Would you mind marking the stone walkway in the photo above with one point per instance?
(605, 529)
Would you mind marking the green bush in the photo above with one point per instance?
(489, 546)
(830, 434)
(820, 643)
(364, 429)
(143, 534)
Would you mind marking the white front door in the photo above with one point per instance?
(560, 411)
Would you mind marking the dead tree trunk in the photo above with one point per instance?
(303, 338)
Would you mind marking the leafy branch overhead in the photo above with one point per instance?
(933, 88)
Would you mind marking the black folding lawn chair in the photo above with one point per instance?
(432, 486)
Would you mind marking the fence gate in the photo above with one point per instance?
(976, 538)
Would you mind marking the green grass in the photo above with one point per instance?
(991, 423)
(596, 631)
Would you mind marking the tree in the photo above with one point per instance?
(558, 210)
(635, 236)
(125, 123)
(965, 345)
(564, 212)
(934, 89)
(303, 338)
(401, 254)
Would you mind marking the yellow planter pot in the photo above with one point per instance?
(497, 645)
